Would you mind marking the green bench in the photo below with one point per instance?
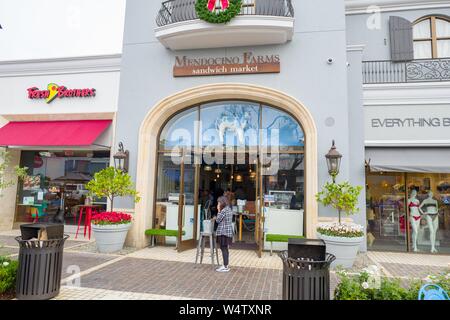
(153, 233)
(279, 238)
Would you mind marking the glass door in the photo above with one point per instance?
(168, 195)
(189, 208)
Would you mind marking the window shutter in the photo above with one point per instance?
(401, 34)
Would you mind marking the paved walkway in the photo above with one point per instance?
(407, 265)
(162, 273)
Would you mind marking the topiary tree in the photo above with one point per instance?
(341, 196)
(111, 183)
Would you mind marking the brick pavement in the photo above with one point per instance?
(239, 258)
(413, 271)
(186, 279)
(76, 293)
(83, 261)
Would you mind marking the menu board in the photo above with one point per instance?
(32, 183)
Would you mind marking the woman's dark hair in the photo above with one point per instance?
(223, 201)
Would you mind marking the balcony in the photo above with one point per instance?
(432, 70)
(260, 22)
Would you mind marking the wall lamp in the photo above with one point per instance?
(121, 158)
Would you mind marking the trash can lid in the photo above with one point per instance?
(307, 242)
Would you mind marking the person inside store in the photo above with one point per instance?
(230, 195)
(224, 231)
(240, 194)
(293, 203)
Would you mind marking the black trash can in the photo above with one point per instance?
(40, 262)
(42, 231)
(306, 275)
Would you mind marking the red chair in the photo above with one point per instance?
(88, 211)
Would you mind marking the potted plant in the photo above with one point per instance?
(111, 228)
(342, 239)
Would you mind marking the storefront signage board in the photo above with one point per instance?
(54, 91)
(407, 124)
(247, 63)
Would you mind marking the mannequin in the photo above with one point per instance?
(430, 209)
(414, 217)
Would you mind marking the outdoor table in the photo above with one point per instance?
(87, 219)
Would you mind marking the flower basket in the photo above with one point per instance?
(343, 241)
(110, 230)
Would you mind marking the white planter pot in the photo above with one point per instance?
(344, 249)
(110, 238)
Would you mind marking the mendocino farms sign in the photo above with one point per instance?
(55, 91)
(247, 63)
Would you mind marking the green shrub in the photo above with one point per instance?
(8, 272)
(361, 286)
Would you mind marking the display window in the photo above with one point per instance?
(408, 212)
(55, 186)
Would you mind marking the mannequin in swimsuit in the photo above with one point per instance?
(414, 214)
(430, 209)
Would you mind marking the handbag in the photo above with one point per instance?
(207, 226)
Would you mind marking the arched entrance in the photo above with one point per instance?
(159, 116)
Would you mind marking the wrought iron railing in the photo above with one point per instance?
(173, 11)
(432, 70)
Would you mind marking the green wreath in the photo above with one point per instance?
(201, 6)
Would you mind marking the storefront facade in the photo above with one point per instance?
(246, 109)
(407, 123)
(209, 114)
(57, 121)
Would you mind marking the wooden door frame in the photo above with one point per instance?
(190, 243)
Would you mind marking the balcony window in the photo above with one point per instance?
(432, 38)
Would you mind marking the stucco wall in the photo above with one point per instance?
(376, 40)
(146, 77)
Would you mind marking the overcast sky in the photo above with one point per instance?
(34, 29)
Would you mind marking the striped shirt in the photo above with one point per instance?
(225, 223)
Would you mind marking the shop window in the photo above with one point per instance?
(432, 38)
(230, 123)
(432, 227)
(386, 212)
(179, 131)
(56, 183)
(408, 210)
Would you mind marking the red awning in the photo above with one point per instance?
(52, 133)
